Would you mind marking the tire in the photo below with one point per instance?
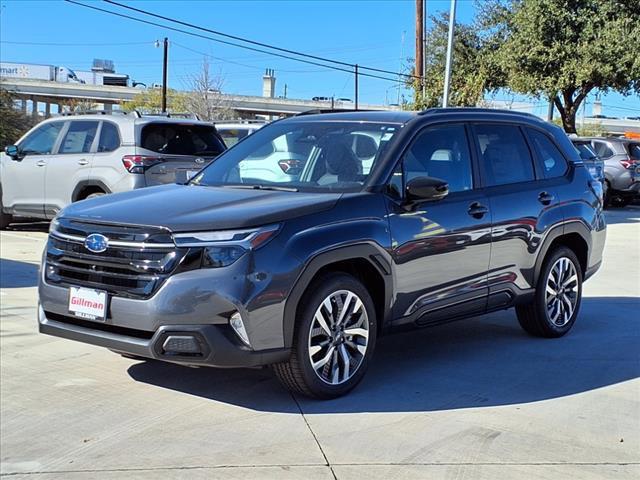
(332, 378)
(535, 317)
(94, 195)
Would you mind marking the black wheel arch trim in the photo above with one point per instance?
(567, 228)
(371, 252)
(88, 183)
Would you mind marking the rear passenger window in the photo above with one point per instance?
(181, 139)
(441, 152)
(109, 138)
(602, 149)
(504, 154)
(79, 137)
(634, 151)
(552, 161)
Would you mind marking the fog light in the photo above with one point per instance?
(238, 326)
(180, 345)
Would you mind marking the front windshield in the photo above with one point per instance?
(304, 156)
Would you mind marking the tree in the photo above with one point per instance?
(565, 49)
(205, 97)
(473, 73)
(14, 123)
(150, 101)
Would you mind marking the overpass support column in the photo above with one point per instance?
(108, 107)
(23, 106)
(34, 109)
(47, 110)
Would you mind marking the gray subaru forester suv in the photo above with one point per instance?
(450, 213)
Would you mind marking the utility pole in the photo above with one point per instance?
(165, 60)
(425, 18)
(356, 86)
(419, 39)
(401, 65)
(447, 71)
(550, 110)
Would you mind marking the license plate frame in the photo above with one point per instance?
(86, 305)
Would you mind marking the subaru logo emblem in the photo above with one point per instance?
(96, 243)
(199, 160)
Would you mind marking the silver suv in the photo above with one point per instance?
(621, 157)
(74, 157)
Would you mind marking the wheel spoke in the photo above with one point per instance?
(345, 308)
(360, 332)
(360, 348)
(550, 290)
(573, 279)
(346, 365)
(323, 361)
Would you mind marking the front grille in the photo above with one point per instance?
(136, 266)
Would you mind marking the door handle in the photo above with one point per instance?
(83, 162)
(41, 163)
(477, 210)
(545, 198)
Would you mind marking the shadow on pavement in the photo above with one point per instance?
(16, 274)
(628, 214)
(480, 362)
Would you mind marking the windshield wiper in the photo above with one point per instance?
(263, 187)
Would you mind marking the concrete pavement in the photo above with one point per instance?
(473, 399)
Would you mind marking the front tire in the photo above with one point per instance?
(556, 303)
(334, 338)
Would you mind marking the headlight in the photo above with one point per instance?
(224, 247)
(221, 256)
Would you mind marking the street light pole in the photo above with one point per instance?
(356, 72)
(447, 71)
(164, 75)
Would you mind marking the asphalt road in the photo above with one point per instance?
(474, 399)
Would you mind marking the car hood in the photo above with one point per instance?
(188, 208)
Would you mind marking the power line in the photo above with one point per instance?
(76, 44)
(140, 20)
(260, 44)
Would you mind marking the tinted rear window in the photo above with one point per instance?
(181, 139)
(634, 151)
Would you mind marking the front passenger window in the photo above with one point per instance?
(441, 152)
(42, 140)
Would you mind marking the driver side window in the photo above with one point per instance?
(42, 140)
(440, 152)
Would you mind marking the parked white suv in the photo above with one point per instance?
(74, 157)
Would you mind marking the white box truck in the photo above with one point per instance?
(38, 72)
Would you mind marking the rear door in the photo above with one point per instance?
(175, 152)
(523, 205)
(71, 165)
(23, 182)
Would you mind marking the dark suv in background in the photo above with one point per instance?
(392, 219)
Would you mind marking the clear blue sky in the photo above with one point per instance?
(364, 32)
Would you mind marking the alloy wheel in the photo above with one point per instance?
(561, 293)
(338, 337)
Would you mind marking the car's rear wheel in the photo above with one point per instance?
(556, 303)
(334, 338)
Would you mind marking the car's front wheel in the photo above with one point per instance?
(334, 338)
(556, 303)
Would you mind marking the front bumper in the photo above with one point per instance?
(218, 348)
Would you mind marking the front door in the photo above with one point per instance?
(23, 182)
(70, 166)
(440, 248)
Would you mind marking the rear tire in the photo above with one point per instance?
(331, 350)
(556, 303)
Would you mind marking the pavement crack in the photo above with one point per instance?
(314, 435)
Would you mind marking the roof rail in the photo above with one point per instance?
(189, 115)
(135, 113)
(430, 111)
(317, 111)
(240, 120)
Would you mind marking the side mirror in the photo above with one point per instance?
(423, 189)
(13, 151)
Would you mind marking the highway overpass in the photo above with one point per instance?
(55, 93)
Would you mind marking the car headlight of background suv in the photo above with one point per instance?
(223, 248)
